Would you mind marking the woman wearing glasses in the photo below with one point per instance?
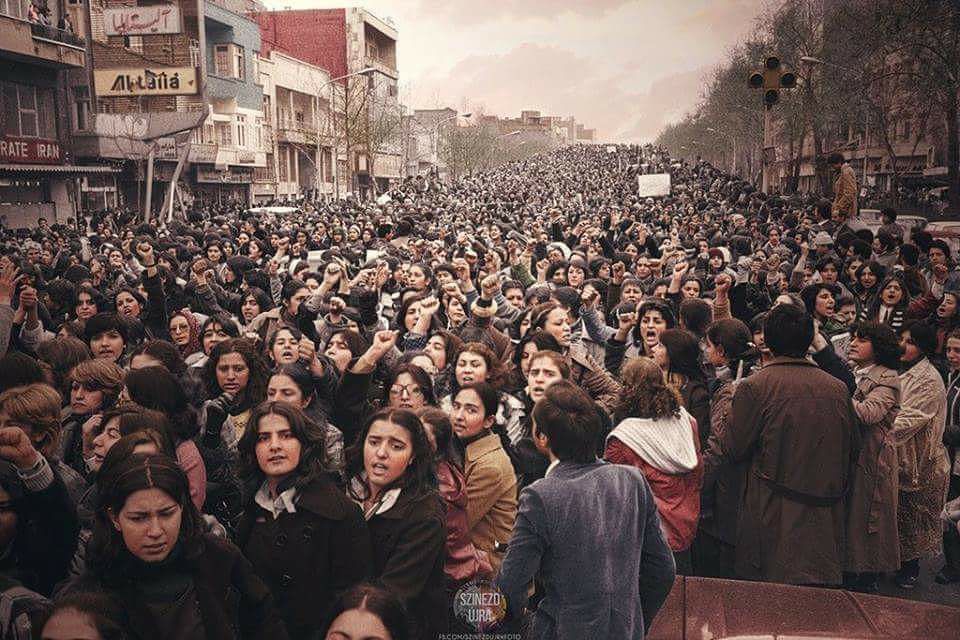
(408, 387)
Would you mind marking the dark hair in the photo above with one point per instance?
(108, 556)
(164, 352)
(95, 296)
(452, 344)
(496, 375)
(909, 254)
(106, 614)
(683, 351)
(570, 420)
(18, 369)
(442, 429)
(312, 438)
(158, 389)
(810, 293)
(646, 393)
(272, 339)
(788, 331)
(695, 315)
(132, 418)
(61, 355)
(419, 475)
(656, 304)
(256, 389)
(835, 158)
(883, 339)
(352, 339)
(380, 602)
(104, 322)
(407, 302)
(421, 377)
(301, 377)
(261, 297)
(488, 397)
(290, 288)
(924, 336)
(732, 335)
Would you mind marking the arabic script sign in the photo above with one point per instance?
(140, 81)
(139, 21)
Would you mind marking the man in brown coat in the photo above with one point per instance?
(844, 187)
(796, 426)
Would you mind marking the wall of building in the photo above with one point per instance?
(225, 27)
(317, 36)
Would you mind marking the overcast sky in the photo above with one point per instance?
(624, 67)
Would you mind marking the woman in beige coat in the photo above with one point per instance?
(872, 545)
(918, 434)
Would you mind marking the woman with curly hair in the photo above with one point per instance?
(655, 434)
(476, 362)
(327, 549)
(872, 542)
(236, 377)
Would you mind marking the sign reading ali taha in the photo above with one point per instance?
(141, 21)
(156, 81)
(653, 184)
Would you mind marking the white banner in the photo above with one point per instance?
(141, 21)
(653, 184)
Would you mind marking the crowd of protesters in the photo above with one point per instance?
(245, 425)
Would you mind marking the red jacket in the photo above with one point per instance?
(677, 496)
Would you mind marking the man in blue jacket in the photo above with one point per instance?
(589, 531)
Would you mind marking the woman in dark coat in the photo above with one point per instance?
(173, 581)
(305, 538)
(390, 473)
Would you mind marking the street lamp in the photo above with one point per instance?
(333, 114)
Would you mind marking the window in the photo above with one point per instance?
(228, 61)
(392, 90)
(224, 136)
(81, 108)
(282, 167)
(907, 129)
(267, 110)
(372, 50)
(194, 53)
(209, 134)
(241, 131)
(28, 111)
(239, 68)
(14, 8)
(221, 60)
(134, 43)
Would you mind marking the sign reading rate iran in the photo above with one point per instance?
(159, 81)
(139, 21)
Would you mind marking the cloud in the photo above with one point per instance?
(493, 10)
(560, 82)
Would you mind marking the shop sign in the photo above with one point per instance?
(141, 21)
(146, 81)
(222, 177)
(246, 157)
(30, 150)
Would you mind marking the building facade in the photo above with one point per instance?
(297, 100)
(350, 42)
(39, 173)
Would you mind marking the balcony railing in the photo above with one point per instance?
(56, 35)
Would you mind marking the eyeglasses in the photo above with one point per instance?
(411, 390)
(180, 328)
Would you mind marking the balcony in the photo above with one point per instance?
(380, 65)
(22, 41)
(295, 132)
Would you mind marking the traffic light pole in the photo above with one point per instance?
(768, 149)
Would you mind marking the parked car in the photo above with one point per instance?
(711, 609)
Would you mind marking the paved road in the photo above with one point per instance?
(927, 590)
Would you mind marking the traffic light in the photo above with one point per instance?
(772, 79)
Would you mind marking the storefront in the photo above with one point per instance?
(223, 186)
(34, 182)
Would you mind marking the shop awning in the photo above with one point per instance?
(56, 168)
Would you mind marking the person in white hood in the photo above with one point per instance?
(655, 434)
